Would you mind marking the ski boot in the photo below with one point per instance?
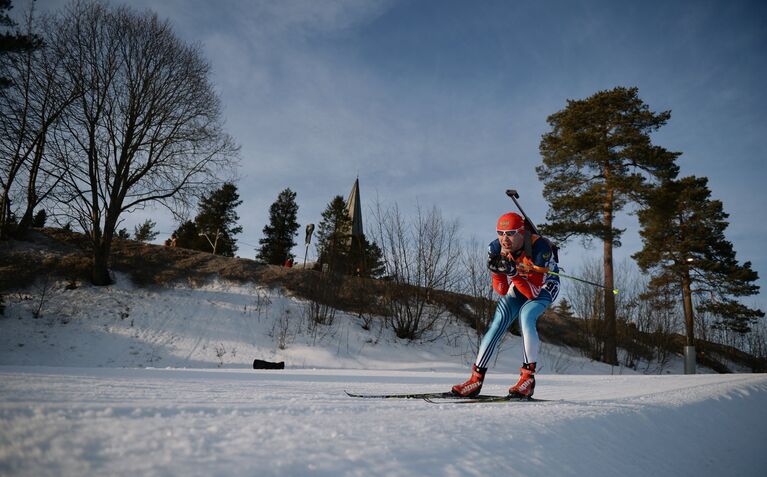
(471, 387)
(526, 384)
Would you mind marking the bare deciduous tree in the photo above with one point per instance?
(586, 302)
(646, 322)
(31, 106)
(421, 256)
(147, 127)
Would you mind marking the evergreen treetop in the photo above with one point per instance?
(187, 235)
(685, 247)
(215, 224)
(343, 252)
(365, 258)
(217, 219)
(597, 157)
(13, 42)
(281, 231)
(145, 232)
(334, 235)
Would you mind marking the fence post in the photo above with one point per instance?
(689, 360)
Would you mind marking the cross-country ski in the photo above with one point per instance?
(437, 395)
(487, 399)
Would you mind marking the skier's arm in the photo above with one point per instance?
(500, 283)
(500, 268)
(531, 283)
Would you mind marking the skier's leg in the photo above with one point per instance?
(528, 317)
(505, 313)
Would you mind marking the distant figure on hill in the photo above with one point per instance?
(171, 242)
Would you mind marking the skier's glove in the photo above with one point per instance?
(502, 265)
(497, 263)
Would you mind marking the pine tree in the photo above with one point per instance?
(596, 159)
(13, 42)
(188, 236)
(39, 220)
(334, 236)
(217, 220)
(365, 258)
(145, 232)
(280, 233)
(685, 248)
(215, 225)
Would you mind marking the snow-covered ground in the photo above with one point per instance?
(130, 381)
(73, 421)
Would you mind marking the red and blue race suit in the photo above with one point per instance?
(524, 295)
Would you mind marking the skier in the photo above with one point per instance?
(524, 258)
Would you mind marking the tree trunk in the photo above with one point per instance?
(32, 198)
(101, 241)
(5, 205)
(5, 214)
(689, 321)
(26, 220)
(100, 273)
(610, 350)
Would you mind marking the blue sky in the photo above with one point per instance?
(444, 102)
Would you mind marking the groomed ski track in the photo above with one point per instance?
(117, 421)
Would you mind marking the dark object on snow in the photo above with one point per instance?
(261, 364)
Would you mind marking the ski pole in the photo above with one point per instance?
(535, 268)
(514, 196)
(615, 290)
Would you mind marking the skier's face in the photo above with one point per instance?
(511, 240)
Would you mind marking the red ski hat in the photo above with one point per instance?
(510, 221)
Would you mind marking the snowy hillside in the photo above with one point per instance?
(152, 381)
(228, 325)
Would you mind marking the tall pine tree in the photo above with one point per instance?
(686, 250)
(280, 233)
(597, 158)
(334, 236)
